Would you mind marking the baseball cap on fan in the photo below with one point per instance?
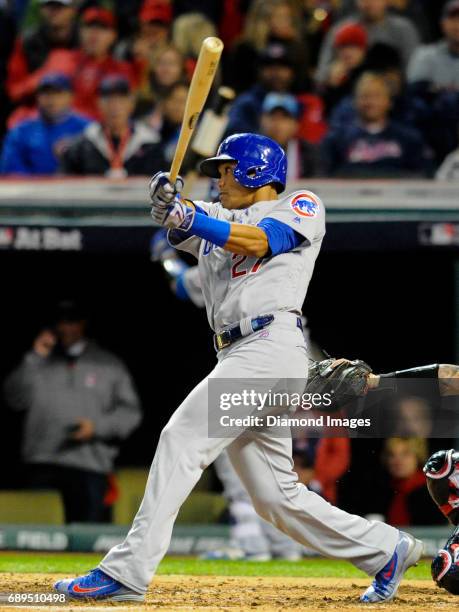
(451, 9)
(70, 310)
(285, 102)
(55, 81)
(96, 15)
(351, 35)
(114, 84)
(157, 11)
(277, 53)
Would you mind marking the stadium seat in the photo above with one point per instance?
(201, 507)
(34, 507)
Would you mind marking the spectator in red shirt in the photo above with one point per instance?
(152, 35)
(155, 18)
(408, 499)
(27, 64)
(320, 463)
(94, 61)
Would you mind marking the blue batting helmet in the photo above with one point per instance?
(260, 161)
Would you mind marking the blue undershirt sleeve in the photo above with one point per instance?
(180, 289)
(281, 237)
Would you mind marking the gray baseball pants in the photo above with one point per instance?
(263, 463)
(250, 532)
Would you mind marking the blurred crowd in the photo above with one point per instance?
(350, 88)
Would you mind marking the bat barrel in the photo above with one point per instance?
(203, 76)
(213, 44)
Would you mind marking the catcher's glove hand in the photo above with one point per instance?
(342, 379)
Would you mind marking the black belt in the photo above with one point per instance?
(234, 332)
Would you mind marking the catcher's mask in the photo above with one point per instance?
(445, 566)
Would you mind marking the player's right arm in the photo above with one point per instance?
(186, 219)
(280, 232)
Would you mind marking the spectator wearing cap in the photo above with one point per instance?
(280, 120)
(373, 145)
(35, 146)
(153, 33)
(420, 12)
(155, 18)
(276, 73)
(94, 61)
(32, 54)
(79, 403)
(276, 21)
(152, 54)
(350, 45)
(405, 108)
(381, 27)
(116, 146)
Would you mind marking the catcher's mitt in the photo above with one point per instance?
(344, 380)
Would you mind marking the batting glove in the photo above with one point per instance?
(176, 215)
(162, 191)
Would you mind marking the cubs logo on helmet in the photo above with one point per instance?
(305, 205)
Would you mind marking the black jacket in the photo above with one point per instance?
(90, 155)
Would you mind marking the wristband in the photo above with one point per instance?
(213, 230)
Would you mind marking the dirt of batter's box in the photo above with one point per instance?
(239, 594)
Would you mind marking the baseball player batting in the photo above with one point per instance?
(256, 254)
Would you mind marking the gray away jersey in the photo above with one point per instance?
(192, 283)
(238, 286)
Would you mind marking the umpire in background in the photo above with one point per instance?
(79, 403)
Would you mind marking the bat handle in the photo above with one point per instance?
(173, 174)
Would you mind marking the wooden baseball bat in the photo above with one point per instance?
(203, 76)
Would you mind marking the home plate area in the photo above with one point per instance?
(238, 593)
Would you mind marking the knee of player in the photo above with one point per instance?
(267, 503)
(171, 436)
